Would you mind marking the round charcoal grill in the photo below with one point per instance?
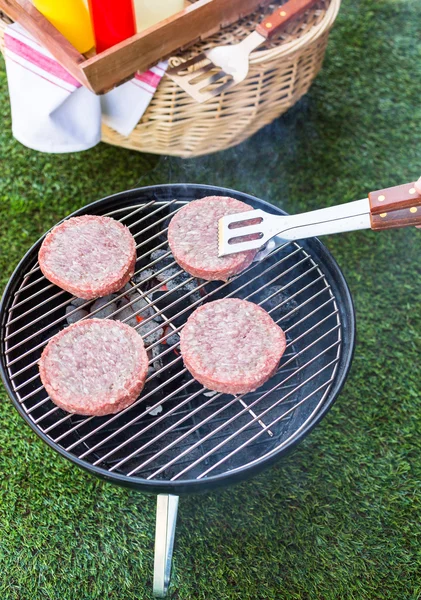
(179, 437)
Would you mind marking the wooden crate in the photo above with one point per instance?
(102, 72)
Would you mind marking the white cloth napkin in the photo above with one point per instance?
(124, 105)
(53, 112)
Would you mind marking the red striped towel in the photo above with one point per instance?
(123, 107)
(52, 112)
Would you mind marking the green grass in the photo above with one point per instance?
(340, 517)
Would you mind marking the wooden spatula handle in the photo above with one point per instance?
(282, 15)
(393, 207)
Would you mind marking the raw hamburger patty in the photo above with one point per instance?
(232, 346)
(94, 367)
(193, 239)
(88, 256)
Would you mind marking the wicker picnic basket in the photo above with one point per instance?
(281, 72)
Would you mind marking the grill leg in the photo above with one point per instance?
(166, 519)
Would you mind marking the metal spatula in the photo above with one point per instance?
(233, 60)
(398, 206)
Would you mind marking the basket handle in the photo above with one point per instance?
(283, 15)
(393, 207)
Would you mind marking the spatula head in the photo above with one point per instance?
(216, 70)
(242, 231)
(201, 78)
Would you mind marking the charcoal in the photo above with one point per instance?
(288, 304)
(151, 371)
(182, 278)
(145, 328)
(187, 287)
(171, 355)
(140, 306)
(155, 411)
(166, 261)
(173, 339)
(142, 275)
(107, 311)
(167, 273)
(179, 280)
(158, 363)
(76, 316)
(125, 290)
(77, 302)
(158, 254)
(125, 313)
(171, 311)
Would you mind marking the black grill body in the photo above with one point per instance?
(198, 441)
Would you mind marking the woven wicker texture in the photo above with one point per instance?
(281, 72)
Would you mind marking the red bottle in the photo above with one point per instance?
(113, 21)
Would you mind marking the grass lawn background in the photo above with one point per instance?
(340, 517)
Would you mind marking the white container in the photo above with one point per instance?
(149, 12)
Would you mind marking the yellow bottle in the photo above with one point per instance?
(71, 18)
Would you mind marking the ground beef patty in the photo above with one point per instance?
(193, 239)
(88, 256)
(94, 367)
(232, 346)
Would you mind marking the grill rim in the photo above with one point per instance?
(316, 249)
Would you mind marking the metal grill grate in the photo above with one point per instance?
(198, 434)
